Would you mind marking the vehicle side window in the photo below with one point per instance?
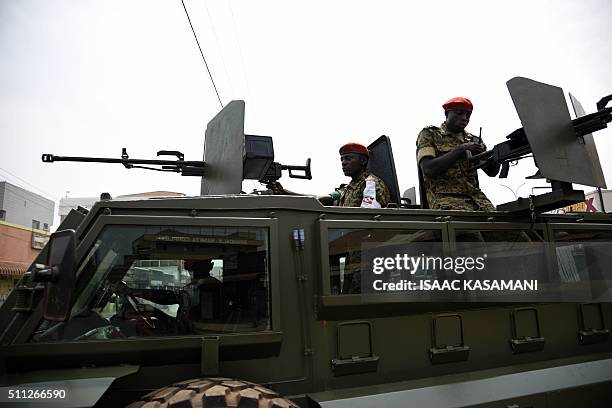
(573, 267)
(583, 256)
(352, 251)
(165, 281)
(510, 253)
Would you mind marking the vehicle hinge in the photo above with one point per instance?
(308, 352)
(302, 278)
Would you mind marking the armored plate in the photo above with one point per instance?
(558, 152)
(382, 165)
(589, 143)
(223, 151)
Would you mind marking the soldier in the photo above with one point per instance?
(441, 157)
(364, 190)
(205, 291)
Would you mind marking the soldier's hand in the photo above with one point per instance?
(276, 187)
(472, 148)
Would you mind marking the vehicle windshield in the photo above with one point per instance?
(169, 280)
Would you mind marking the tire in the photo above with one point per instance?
(213, 392)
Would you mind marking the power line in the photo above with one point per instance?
(212, 25)
(246, 82)
(29, 184)
(202, 53)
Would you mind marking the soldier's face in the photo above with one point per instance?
(352, 164)
(457, 119)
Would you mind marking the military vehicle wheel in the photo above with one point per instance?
(213, 392)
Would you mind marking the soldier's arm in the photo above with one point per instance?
(382, 194)
(433, 166)
(278, 189)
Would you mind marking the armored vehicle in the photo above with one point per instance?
(232, 299)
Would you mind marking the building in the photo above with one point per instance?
(593, 203)
(595, 200)
(25, 221)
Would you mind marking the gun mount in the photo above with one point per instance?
(563, 149)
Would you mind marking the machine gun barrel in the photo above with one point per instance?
(50, 158)
(187, 168)
(593, 122)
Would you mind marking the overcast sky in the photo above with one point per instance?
(90, 77)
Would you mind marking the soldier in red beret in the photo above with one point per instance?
(441, 157)
(364, 190)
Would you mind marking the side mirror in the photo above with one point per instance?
(58, 274)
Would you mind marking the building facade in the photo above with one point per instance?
(25, 222)
(594, 202)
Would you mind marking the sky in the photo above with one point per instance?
(88, 78)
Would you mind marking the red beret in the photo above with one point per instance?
(354, 148)
(458, 103)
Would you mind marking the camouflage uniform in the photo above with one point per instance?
(457, 188)
(351, 194)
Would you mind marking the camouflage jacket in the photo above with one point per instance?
(351, 194)
(457, 188)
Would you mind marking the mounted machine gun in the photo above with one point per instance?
(230, 156)
(563, 149)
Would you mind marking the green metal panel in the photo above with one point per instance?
(505, 387)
